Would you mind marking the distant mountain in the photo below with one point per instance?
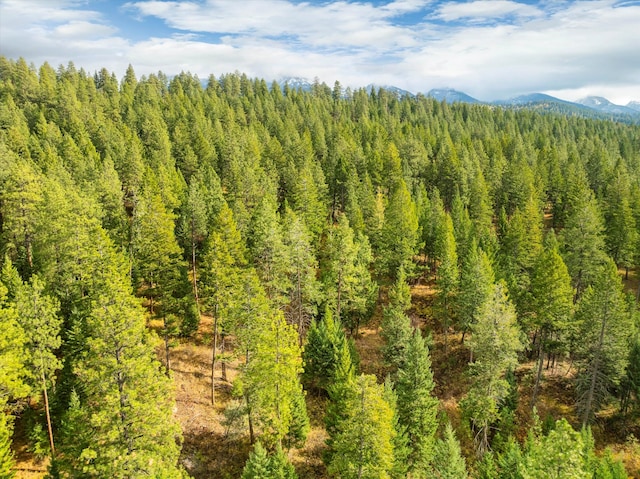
(399, 92)
(634, 105)
(603, 105)
(547, 103)
(451, 96)
(296, 83)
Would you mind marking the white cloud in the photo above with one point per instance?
(485, 10)
(555, 46)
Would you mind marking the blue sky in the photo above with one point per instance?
(488, 48)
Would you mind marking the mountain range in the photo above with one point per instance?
(590, 107)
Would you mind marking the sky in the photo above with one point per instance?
(489, 49)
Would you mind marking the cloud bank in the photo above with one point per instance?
(487, 48)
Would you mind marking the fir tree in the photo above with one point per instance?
(552, 302)
(448, 462)
(604, 329)
(495, 343)
(38, 315)
(417, 408)
(363, 445)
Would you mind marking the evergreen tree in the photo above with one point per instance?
(6, 455)
(417, 408)
(38, 316)
(552, 302)
(620, 224)
(268, 252)
(326, 344)
(304, 292)
(271, 377)
(13, 353)
(583, 243)
(401, 448)
(448, 462)
(399, 235)
(396, 331)
(156, 251)
(604, 329)
(447, 276)
(124, 426)
(556, 456)
(222, 269)
(476, 285)
(495, 343)
(363, 444)
(258, 464)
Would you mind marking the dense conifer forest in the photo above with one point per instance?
(243, 280)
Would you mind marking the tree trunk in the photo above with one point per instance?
(48, 414)
(194, 272)
(594, 375)
(536, 386)
(167, 347)
(213, 355)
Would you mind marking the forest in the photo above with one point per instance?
(228, 278)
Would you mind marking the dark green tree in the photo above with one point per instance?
(417, 407)
(602, 344)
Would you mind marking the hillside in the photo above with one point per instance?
(200, 281)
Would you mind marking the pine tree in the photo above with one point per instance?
(417, 408)
(268, 253)
(38, 315)
(304, 292)
(396, 331)
(13, 353)
(448, 462)
(363, 444)
(620, 224)
(124, 425)
(447, 276)
(271, 376)
(476, 285)
(399, 235)
(222, 269)
(605, 326)
(495, 343)
(556, 456)
(325, 346)
(6, 455)
(401, 449)
(583, 243)
(258, 464)
(156, 252)
(552, 302)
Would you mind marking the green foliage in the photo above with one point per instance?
(558, 455)
(495, 342)
(363, 444)
(417, 407)
(399, 235)
(13, 355)
(323, 352)
(263, 465)
(6, 455)
(604, 328)
(448, 462)
(271, 381)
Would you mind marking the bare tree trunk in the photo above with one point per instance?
(194, 272)
(594, 375)
(213, 355)
(166, 346)
(536, 387)
(48, 414)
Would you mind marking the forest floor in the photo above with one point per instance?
(213, 448)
